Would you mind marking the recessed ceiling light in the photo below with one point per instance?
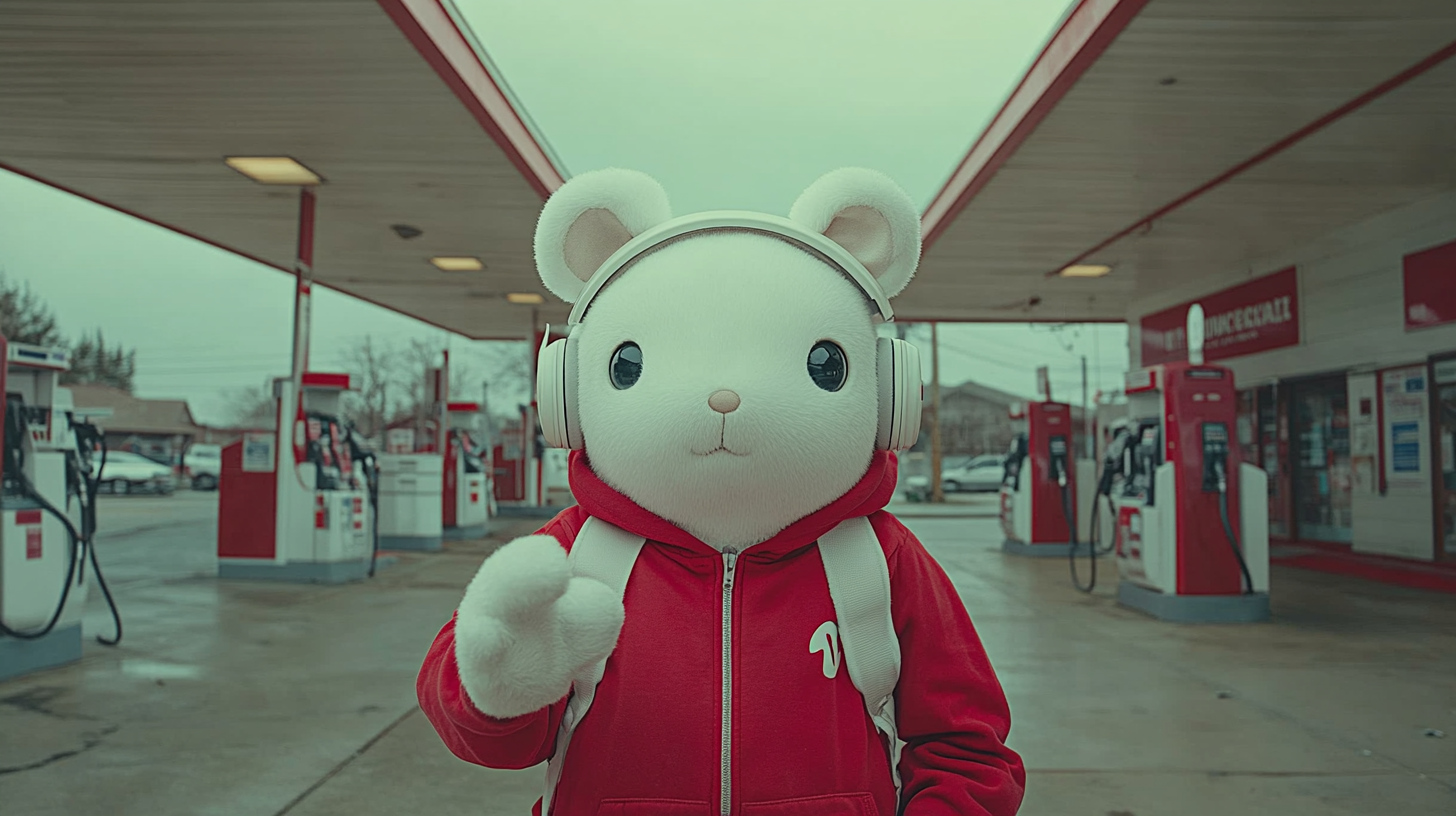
(457, 264)
(525, 297)
(1085, 271)
(273, 170)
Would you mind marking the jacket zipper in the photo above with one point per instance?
(725, 784)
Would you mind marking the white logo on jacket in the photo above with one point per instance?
(826, 639)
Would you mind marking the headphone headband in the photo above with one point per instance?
(745, 221)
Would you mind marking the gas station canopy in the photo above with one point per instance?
(136, 105)
(1174, 138)
(1158, 139)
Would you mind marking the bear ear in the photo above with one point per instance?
(868, 214)
(590, 217)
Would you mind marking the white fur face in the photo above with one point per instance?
(736, 312)
(725, 432)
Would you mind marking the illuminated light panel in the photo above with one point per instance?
(525, 297)
(274, 170)
(1085, 271)
(454, 264)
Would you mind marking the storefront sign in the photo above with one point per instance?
(1430, 287)
(1404, 400)
(1260, 315)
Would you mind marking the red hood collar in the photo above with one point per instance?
(598, 499)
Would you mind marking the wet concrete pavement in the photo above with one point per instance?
(235, 699)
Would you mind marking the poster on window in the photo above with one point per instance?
(1363, 434)
(1404, 400)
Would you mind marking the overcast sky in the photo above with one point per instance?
(758, 98)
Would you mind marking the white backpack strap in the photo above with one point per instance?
(859, 584)
(606, 553)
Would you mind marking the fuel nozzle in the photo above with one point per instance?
(1114, 460)
(1215, 457)
(1059, 459)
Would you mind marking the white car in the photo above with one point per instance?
(979, 474)
(127, 472)
(203, 466)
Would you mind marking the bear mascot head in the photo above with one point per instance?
(724, 370)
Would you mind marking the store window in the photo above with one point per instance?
(1264, 442)
(1445, 424)
(1322, 496)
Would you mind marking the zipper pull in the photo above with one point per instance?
(730, 562)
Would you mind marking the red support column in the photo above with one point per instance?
(302, 320)
(303, 277)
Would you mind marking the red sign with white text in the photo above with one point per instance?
(1430, 287)
(1260, 315)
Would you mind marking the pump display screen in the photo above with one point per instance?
(1205, 374)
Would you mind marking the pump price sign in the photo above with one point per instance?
(1260, 315)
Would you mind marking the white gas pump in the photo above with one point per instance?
(47, 514)
(411, 513)
(467, 484)
(320, 484)
(1192, 540)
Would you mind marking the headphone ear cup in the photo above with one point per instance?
(569, 415)
(901, 394)
(551, 397)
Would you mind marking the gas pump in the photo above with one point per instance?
(1109, 483)
(1192, 541)
(467, 483)
(302, 510)
(1039, 488)
(47, 514)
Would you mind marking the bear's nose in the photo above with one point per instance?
(724, 402)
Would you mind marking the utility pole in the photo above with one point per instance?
(936, 493)
(1087, 432)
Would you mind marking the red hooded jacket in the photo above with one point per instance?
(801, 742)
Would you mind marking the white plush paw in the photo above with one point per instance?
(526, 627)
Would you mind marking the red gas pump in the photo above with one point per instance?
(297, 503)
(510, 459)
(467, 483)
(1039, 489)
(1192, 535)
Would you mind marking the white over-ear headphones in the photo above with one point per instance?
(898, 365)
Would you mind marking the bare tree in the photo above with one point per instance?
(25, 318)
(252, 407)
(371, 400)
(413, 366)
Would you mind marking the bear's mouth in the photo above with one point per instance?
(722, 446)
(720, 449)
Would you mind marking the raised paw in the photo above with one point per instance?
(520, 581)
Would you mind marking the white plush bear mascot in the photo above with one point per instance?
(739, 627)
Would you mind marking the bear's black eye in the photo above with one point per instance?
(626, 366)
(827, 366)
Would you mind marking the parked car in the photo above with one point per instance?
(982, 474)
(127, 472)
(203, 466)
(976, 474)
